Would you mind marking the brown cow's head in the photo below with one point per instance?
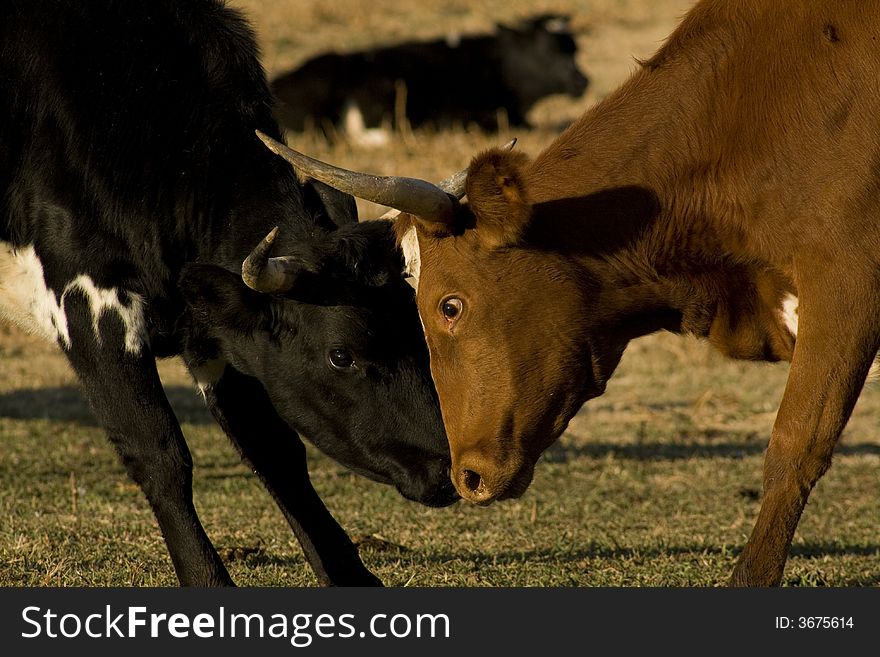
(506, 330)
(507, 322)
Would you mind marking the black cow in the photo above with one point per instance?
(132, 188)
(446, 82)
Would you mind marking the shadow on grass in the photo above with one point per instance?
(596, 551)
(604, 552)
(67, 404)
(671, 451)
(601, 552)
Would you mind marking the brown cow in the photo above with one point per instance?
(737, 169)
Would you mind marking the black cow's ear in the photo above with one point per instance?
(338, 207)
(367, 252)
(218, 298)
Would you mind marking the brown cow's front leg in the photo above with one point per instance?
(836, 344)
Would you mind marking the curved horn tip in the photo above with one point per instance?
(250, 278)
(270, 143)
(255, 263)
(250, 272)
(509, 145)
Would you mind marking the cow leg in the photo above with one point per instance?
(836, 344)
(126, 394)
(277, 455)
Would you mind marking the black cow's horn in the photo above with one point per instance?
(265, 274)
(411, 195)
(454, 185)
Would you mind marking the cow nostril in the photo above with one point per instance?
(472, 481)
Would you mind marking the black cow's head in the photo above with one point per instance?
(538, 59)
(330, 328)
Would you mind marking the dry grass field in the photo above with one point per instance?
(657, 483)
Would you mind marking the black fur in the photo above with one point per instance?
(127, 151)
(447, 83)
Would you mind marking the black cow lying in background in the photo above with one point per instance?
(127, 151)
(445, 82)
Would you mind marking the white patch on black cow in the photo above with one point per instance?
(208, 373)
(102, 300)
(28, 302)
(357, 131)
(24, 298)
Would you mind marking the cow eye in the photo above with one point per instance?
(451, 308)
(341, 359)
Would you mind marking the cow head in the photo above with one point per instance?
(505, 329)
(328, 326)
(507, 320)
(538, 59)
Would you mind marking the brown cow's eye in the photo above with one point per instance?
(451, 308)
(341, 359)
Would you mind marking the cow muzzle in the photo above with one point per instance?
(481, 480)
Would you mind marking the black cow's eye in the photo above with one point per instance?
(341, 359)
(451, 308)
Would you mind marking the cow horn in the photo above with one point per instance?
(411, 195)
(265, 274)
(454, 185)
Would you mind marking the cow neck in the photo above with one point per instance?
(620, 193)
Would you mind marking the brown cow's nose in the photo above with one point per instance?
(475, 481)
(481, 480)
(472, 487)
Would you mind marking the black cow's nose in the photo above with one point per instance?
(433, 487)
(446, 493)
(440, 495)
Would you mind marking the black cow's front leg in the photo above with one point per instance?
(120, 381)
(277, 455)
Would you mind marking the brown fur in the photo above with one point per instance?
(499, 198)
(740, 164)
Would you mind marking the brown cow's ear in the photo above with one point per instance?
(498, 197)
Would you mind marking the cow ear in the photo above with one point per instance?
(338, 207)
(219, 299)
(368, 252)
(498, 197)
(363, 252)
